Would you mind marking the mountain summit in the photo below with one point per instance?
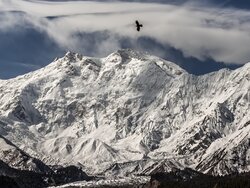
(129, 113)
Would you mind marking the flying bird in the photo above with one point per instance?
(138, 25)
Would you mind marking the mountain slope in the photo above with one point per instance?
(128, 107)
(16, 158)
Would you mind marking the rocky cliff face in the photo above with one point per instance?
(14, 157)
(129, 113)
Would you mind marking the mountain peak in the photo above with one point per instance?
(72, 56)
(128, 108)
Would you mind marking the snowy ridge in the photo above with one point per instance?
(16, 158)
(132, 182)
(132, 109)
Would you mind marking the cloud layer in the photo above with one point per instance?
(200, 32)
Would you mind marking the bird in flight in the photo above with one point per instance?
(138, 25)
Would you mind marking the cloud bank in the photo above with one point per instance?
(222, 34)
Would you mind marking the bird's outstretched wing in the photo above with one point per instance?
(138, 25)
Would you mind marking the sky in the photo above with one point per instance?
(199, 35)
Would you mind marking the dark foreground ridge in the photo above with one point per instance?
(10, 177)
(188, 178)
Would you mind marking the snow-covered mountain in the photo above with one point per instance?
(129, 113)
(16, 158)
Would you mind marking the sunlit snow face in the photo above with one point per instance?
(99, 28)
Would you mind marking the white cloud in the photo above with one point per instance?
(221, 34)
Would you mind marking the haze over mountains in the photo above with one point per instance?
(127, 113)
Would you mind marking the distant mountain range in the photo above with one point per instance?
(128, 113)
